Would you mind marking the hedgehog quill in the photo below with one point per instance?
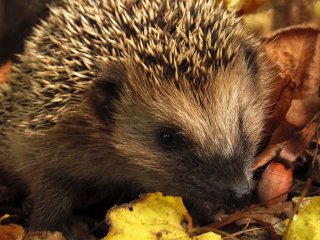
(167, 95)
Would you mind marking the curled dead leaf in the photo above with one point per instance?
(303, 110)
(299, 141)
(277, 129)
(11, 232)
(288, 141)
(266, 214)
(280, 98)
(296, 51)
(298, 11)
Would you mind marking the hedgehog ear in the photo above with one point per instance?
(106, 89)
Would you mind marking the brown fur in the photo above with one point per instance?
(84, 133)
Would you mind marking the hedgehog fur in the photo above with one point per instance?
(183, 39)
(186, 72)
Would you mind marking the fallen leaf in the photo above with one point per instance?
(303, 110)
(296, 51)
(44, 236)
(4, 217)
(266, 214)
(316, 9)
(267, 155)
(278, 226)
(299, 141)
(281, 98)
(298, 11)
(305, 224)
(277, 129)
(11, 232)
(154, 216)
(282, 134)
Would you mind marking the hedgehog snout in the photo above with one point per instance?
(238, 195)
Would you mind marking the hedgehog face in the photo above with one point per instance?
(183, 138)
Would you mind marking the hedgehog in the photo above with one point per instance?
(165, 95)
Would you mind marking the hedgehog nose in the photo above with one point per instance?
(239, 197)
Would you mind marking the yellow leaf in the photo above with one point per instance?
(305, 224)
(207, 236)
(154, 216)
(245, 6)
(235, 5)
(316, 9)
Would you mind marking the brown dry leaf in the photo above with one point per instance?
(11, 232)
(264, 214)
(44, 236)
(267, 214)
(300, 114)
(303, 110)
(281, 98)
(277, 178)
(296, 51)
(282, 133)
(5, 216)
(267, 155)
(300, 141)
(298, 11)
(5, 70)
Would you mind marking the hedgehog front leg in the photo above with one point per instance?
(52, 206)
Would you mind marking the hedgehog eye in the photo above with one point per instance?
(169, 138)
